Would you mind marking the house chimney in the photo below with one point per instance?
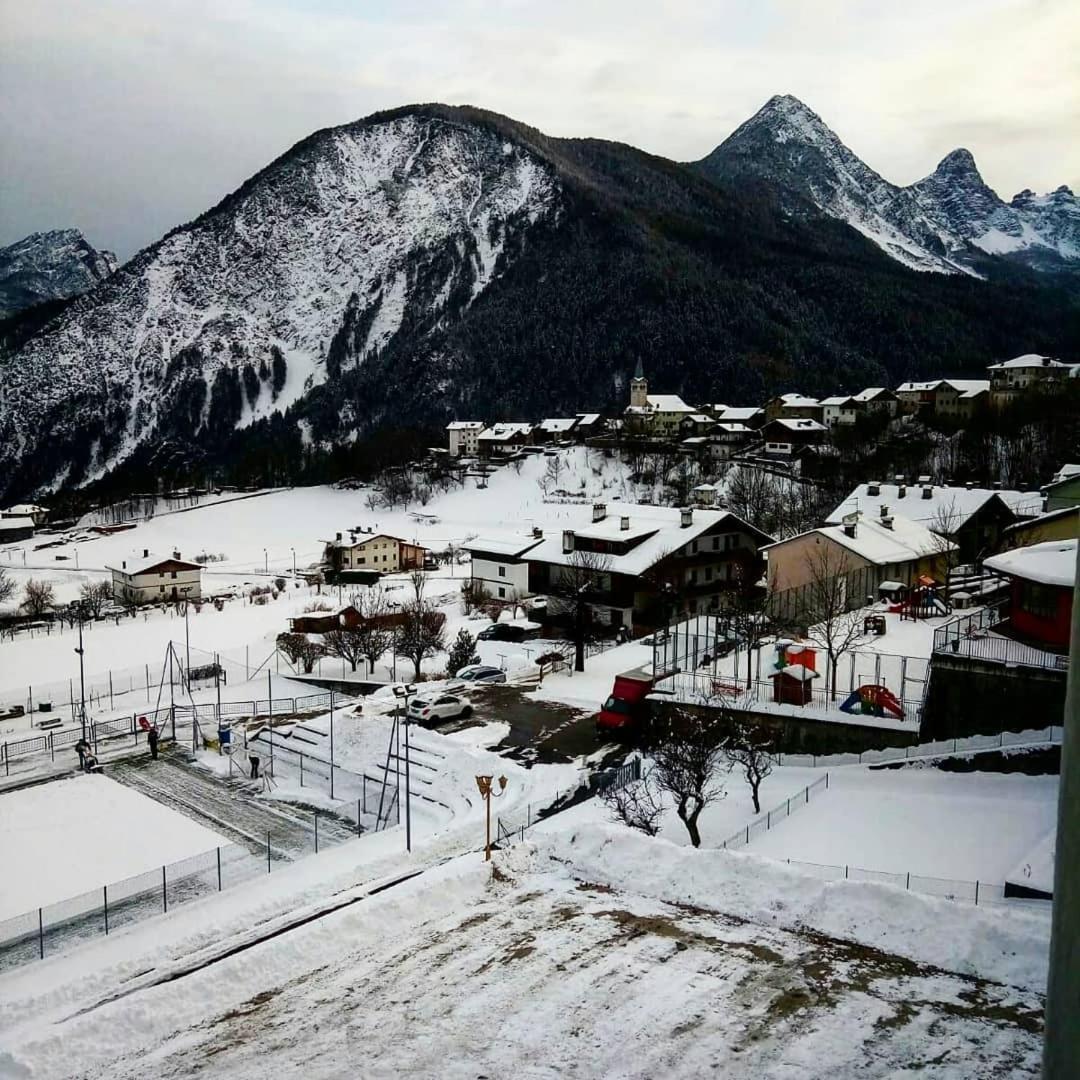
(599, 511)
(338, 537)
(997, 485)
(567, 541)
(624, 524)
(901, 491)
(884, 511)
(969, 484)
(686, 517)
(537, 532)
(146, 553)
(176, 555)
(873, 488)
(887, 523)
(928, 491)
(899, 478)
(850, 529)
(1046, 361)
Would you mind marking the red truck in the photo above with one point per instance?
(626, 706)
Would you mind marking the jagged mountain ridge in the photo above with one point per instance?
(947, 222)
(433, 262)
(46, 266)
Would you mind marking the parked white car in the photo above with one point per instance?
(429, 711)
(480, 673)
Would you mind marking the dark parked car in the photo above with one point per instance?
(501, 632)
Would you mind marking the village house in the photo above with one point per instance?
(1061, 524)
(1062, 493)
(14, 528)
(503, 440)
(1011, 378)
(37, 514)
(463, 436)
(1041, 582)
(974, 518)
(376, 551)
(589, 426)
(148, 579)
(555, 429)
(645, 562)
(658, 416)
(839, 409)
(727, 439)
(793, 407)
(876, 399)
(885, 549)
(750, 415)
(786, 437)
(696, 424)
(500, 567)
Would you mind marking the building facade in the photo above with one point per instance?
(149, 579)
(463, 436)
(381, 552)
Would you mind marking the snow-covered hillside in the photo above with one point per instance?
(944, 222)
(310, 267)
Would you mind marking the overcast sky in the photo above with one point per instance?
(126, 117)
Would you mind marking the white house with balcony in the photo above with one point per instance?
(500, 566)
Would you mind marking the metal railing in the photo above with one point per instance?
(971, 635)
(781, 812)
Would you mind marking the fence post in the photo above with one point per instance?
(41, 935)
(909, 879)
(357, 817)
(316, 829)
(748, 834)
(768, 820)
(845, 872)
(268, 851)
(976, 892)
(301, 770)
(105, 898)
(219, 869)
(164, 892)
(826, 781)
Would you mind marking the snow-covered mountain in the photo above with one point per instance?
(946, 222)
(49, 266)
(313, 263)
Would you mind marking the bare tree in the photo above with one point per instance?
(300, 649)
(376, 629)
(831, 622)
(750, 748)
(474, 597)
(38, 597)
(689, 764)
(7, 586)
(421, 633)
(639, 804)
(579, 585)
(944, 524)
(348, 643)
(94, 595)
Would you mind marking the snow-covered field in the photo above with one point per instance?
(61, 839)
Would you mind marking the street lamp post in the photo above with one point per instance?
(483, 783)
(293, 550)
(266, 562)
(82, 678)
(331, 742)
(403, 693)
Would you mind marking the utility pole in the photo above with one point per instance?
(82, 677)
(187, 642)
(403, 693)
(1061, 1043)
(331, 742)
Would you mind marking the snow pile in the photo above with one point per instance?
(1009, 946)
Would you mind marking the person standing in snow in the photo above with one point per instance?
(152, 739)
(82, 748)
(254, 766)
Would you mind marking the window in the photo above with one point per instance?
(161, 588)
(1038, 600)
(502, 571)
(716, 543)
(708, 573)
(502, 593)
(360, 559)
(174, 575)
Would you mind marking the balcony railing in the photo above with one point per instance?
(971, 635)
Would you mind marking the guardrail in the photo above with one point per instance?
(970, 635)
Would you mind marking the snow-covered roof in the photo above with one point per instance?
(968, 388)
(1029, 360)
(23, 510)
(1064, 473)
(658, 529)
(954, 505)
(1043, 519)
(739, 412)
(1049, 563)
(918, 387)
(700, 418)
(138, 563)
(870, 393)
(905, 542)
(668, 403)
(801, 424)
(704, 487)
(513, 548)
(695, 440)
(10, 524)
(557, 425)
(797, 671)
(588, 417)
(733, 428)
(465, 425)
(506, 432)
(836, 400)
(797, 400)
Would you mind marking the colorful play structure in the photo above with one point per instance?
(873, 700)
(923, 601)
(795, 668)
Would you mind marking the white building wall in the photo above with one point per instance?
(511, 577)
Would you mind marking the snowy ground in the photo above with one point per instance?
(591, 952)
(967, 826)
(61, 839)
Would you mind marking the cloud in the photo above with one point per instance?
(125, 118)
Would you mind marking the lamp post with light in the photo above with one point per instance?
(403, 692)
(487, 792)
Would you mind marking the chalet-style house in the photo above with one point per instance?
(973, 518)
(1011, 378)
(380, 552)
(793, 407)
(149, 579)
(14, 528)
(785, 437)
(657, 416)
(955, 399)
(646, 562)
(502, 440)
(500, 566)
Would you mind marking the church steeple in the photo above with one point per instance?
(639, 387)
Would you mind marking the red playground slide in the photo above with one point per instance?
(874, 699)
